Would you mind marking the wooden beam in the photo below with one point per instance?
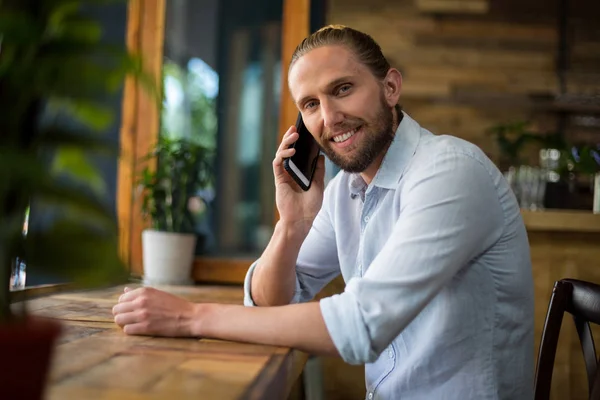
(125, 168)
(295, 27)
(140, 125)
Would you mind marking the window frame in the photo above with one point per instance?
(140, 129)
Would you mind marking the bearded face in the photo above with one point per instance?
(356, 154)
(347, 109)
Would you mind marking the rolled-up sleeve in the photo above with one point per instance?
(317, 262)
(450, 214)
(249, 302)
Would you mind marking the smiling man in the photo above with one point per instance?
(423, 228)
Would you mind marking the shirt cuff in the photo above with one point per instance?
(249, 302)
(347, 329)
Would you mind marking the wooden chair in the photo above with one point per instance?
(582, 300)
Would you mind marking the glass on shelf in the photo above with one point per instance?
(18, 267)
(17, 275)
(529, 185)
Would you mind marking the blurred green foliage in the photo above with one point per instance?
(54, 72)
(181, 168)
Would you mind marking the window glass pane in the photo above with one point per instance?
(221, 79)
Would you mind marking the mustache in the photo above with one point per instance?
(344, 126)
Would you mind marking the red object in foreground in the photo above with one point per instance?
(26, 349)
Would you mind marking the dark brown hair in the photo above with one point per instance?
(362, 45)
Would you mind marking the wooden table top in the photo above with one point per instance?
(94, 359)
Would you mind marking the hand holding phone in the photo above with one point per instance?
(296, 204)
(302, 164)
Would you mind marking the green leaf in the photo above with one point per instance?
(57, 137)
(19, 166)
(73, 200)
(84, 29)
(19, 27)
(71, 47)
(94, 260)
(95, 115)
(60, 12)
(65, 77)
(8, 55)
(132, 64)
(73, 162)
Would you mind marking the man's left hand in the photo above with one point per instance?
(148, 311)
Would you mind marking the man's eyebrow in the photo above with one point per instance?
(329, 86)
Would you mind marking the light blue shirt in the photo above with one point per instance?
(439, 295)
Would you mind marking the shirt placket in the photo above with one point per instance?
(365, 216)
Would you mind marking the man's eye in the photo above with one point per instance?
(344, 88)
(310, 104)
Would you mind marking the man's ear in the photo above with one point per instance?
(392, 86)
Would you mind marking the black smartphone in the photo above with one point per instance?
(301, 166)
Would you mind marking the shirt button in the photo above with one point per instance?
(390, 354)
(367, 218)
(370, 396)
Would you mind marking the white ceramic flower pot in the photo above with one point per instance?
(168, 257)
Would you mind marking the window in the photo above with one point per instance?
(221, 77)
(220, 62)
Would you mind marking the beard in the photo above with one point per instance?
(377, 136)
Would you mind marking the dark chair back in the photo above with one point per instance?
(582, 300)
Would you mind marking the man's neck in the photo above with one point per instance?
(369, 174)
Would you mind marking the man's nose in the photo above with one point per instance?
(331, 114)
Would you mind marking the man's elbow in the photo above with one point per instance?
(360, 355)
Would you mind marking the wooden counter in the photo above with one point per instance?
(561, 221)
(94, 359)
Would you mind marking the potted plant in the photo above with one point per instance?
(511, 138)
(53, 73)
(171, 187)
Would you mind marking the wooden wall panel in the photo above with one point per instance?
(464, 72)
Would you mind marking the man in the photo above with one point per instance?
(424, 229)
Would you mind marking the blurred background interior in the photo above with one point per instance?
(519, 78)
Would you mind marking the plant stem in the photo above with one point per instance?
(182, 200)
(169, 205)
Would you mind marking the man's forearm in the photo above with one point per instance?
(300, 326)
(274, 278)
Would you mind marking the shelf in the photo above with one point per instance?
(573, 108)
(453, 6)
(561, 221)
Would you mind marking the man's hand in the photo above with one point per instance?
(148, 311)
(296, 207)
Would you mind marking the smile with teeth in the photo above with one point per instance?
(344, 136)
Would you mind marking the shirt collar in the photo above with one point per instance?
(396, 159)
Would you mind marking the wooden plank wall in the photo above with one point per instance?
(466, 72)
